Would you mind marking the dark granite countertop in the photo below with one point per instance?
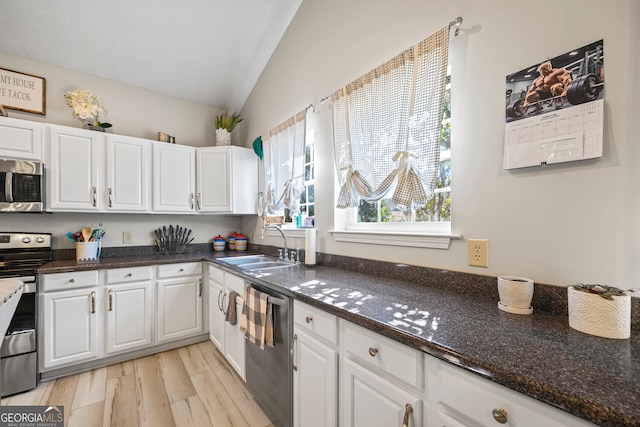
(538, 355)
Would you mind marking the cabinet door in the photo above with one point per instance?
(370, 400)
(179, 308)
(129, 312)
(20, 139)
(213, 179)
(234, 341)
(315, 382)
(73, 169)
(69, 327)
(173, 178)
(127, 174)
(216, 315)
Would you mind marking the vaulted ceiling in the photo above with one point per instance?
(207, 51)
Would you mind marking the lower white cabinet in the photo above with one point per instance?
(225, 336)
(128, 303)
(69, 319)
(179, 301)
(315, 367)
(464, 399)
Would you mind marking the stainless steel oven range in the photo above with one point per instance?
(20, 255)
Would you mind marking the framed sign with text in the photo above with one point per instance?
(22, 92)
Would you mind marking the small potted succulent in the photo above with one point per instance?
(604, 311)
(224, 125)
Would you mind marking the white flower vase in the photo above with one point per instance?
(592, 314)
(223, 137)
(516, 294)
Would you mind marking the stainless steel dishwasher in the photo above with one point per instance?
(269, 371)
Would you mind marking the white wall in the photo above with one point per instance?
(134, 112)
(563, 224)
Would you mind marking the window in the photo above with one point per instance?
(392, 145)
(307, 198)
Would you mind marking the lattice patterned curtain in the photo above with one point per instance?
(284, 165)
(387, 127)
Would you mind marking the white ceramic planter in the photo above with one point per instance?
(516, 294)
(592, 314)
(223, 137)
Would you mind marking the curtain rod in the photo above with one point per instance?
(455, 23)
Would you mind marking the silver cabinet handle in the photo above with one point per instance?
(373, 351)
(199, 287)
(223, 297)
(198, 201)
(72, 280)
(293, 352)
(110, 300)
(219, 303)
(408, 410)
(191, 200)
(93, 302)
(110, 192)
(308, 319)
(94, 196)
(500, 415)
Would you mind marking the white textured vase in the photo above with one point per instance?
(592, 314)
(223, 137)
(516, 294)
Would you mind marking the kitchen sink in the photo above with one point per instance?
(257, 262)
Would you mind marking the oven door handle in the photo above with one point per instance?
(8, 187)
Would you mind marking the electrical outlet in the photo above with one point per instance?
(478, 252)
(126, 237)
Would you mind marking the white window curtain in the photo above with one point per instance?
(387, 128)
(284, 165)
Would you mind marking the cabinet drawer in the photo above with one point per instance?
(316, 321)
(178, 270)
(130, 274)
(234, 283)
(68, 281)
(216, 274)
(385, 354)
(464, 396)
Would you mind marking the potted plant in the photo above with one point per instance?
(515, 294)
(604, 311)
(224, 125)
(86, 107)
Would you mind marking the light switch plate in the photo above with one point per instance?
(126, 237)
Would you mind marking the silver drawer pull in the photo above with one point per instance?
(500, 415)
(373, 351)
(308, 319)
(408, 410)
(71, 280)
(129, 275)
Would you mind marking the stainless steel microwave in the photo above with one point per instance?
(21, 186)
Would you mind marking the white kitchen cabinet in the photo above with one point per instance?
(128, 174)
(128, 308)
(227, 180)
(20, 139)
(464, 399)
(225, 336)
(382, 380)
(174, 178)
(69, 319)
(315, 361)
(73, 169)
(179, 301)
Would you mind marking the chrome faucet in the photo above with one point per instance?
(284, 238)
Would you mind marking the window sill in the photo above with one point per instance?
(424, 240)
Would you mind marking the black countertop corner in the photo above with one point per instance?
(455, 317)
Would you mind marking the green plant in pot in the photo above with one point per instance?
(225, 123)
(600, 310)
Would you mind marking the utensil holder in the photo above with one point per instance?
(87, 251)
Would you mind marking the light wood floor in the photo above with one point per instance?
(189, 386)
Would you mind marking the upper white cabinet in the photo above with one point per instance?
(127, 174)
(227, 180)
(174, 178)
(20, 139)
(73, 179)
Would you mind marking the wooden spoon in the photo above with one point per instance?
(86, 233)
